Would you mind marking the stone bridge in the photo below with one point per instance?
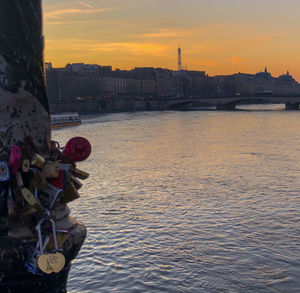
(291, 103)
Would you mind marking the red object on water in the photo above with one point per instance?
(78, 149)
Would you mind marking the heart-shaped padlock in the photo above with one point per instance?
(50, 262)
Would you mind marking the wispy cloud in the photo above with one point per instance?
(132, 48)
(86, 4)
(162, 33)
(57, 13)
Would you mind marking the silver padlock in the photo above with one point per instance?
(50, 196)
(31, 264)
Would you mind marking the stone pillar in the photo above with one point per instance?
(24, 105)
(25, 120)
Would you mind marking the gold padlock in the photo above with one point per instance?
(49, 262)
(38, 181)
(38, 161)
(51, 170)
(31, 199)
(25, 165)
(80, 174)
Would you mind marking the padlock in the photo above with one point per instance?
(76, 182)
(80, 174)
(33, 254)
(62, 158)
(25, 165)
(59, 181)
(78, 149)
(65, 167)
(38, 161)
(38, 181)
(69, 170)
(4, 172)
(50, 196)
(51, 262)
(51, 170)
(14, 159)
(70, 193)
(32, 199)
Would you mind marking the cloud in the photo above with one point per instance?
(237, 60)
(162, 33)
(57, 13)
(85, 4)
(132, 48)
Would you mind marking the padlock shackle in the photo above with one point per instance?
(54, 234)
(39, 231)
(42, 245)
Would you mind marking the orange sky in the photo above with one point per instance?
(218, 36)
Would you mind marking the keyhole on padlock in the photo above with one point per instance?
(25, 165)
(3, 171)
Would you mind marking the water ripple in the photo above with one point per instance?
(190, 202)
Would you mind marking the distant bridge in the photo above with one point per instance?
(291, 103)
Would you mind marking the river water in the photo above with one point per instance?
(200, 201)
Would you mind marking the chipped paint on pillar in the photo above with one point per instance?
(23, 101)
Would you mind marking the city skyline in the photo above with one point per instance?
(219, 38)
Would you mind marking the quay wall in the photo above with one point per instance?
(100, 106)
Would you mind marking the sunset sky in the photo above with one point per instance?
(218, 36)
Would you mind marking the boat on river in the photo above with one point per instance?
(65, 120)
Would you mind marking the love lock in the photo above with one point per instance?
(33, 253)
(50, 262)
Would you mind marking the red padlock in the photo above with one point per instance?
(78, 149)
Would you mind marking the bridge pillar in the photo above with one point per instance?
(226, 107)
(290, 106)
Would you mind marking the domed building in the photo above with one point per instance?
(263, 75)
(286, 77)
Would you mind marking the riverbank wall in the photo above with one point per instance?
(107, 106)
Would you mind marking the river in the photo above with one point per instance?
(202, 201)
